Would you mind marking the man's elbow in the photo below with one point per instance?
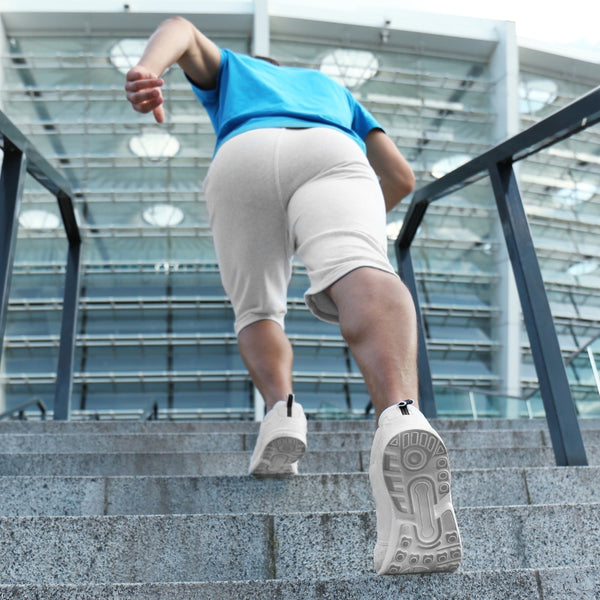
(404, 183)
(410, 182)
(179, 26)
(176, 20)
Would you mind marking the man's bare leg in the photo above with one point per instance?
(281, 441)
(268, 356)
(408, 458)
(378, 321)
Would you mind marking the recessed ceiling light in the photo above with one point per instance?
(351, 68)
(163, 215)
(126, 53)
(39, 220)
(585, 267)
(571, 196)
(448, 164)
(154, 146)
(393, 229)
(535, 94)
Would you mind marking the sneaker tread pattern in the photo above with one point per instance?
(417, 477)
(279, 455)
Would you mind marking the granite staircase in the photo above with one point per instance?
(165, 510)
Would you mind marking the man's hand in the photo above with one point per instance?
(143, 90)
(175, 40)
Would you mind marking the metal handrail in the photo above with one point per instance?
(20, 410)
(497, 163)
(151, 413)
(20, 158)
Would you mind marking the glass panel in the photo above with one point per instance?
(561, 192)
(30, 350)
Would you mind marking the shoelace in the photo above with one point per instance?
(404, 404)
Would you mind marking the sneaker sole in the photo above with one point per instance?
(424, 536)
(279, 456)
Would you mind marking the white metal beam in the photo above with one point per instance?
(504, 68)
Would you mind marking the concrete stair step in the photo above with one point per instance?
(122, 509)
(86, 496)
(180, 548)
(227, 442)
(580, 583)
(236, 463)
(233, 426)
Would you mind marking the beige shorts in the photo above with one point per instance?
(276, 193)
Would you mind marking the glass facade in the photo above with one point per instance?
(561, 191)
(155, 325)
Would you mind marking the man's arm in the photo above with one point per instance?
(396, 176)
(175, 41)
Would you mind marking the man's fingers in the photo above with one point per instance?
(142, 84)
(149, 106)
(159, 114)
(143, 92)
(143, 96)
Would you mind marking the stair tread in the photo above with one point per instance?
(167, 494)
(260, 546)
(582, 583)
(236, 462)
(15, 426)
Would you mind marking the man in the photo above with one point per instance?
(301, 168)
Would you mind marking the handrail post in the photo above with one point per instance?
(554, 385)
(426, 395)
(14, 166)
(414, 217)
(68, 334)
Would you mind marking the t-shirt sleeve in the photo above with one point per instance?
(209, 97)
(362, 120)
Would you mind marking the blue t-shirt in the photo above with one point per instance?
(254, 94)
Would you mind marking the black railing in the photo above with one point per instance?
(497, 163)
(21, 158)
(20, 410)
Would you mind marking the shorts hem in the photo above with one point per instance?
(251, 319)
(320, 303)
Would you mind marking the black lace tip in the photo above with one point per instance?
(404, 404)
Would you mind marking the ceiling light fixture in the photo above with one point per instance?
(126, 53)
(39, 220)
(535, 94)
(577, 194)
(351, 68)
(163, 215)
(448, 164)
(584, 267)
(154, 146)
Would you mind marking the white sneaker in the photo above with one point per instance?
(281, 440)
(410, 476)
